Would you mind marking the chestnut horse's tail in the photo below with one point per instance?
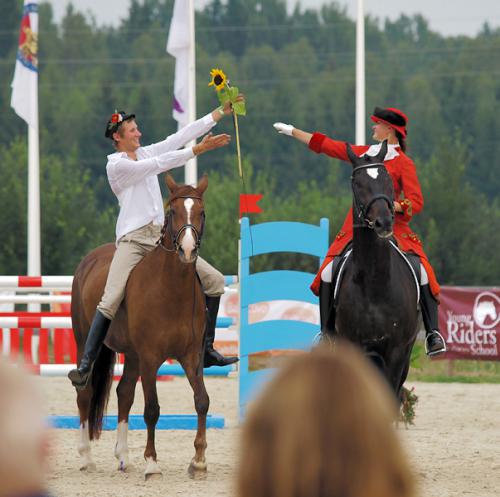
(102, 377)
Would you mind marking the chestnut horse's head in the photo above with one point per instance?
(185, 219)
(373, 192)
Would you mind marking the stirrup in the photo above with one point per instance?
(82, 386)
(435, 352)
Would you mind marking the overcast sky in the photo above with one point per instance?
(449, 17)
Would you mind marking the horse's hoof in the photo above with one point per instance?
(153, 471)
(153, 476)
(197, 468)
(123, 466)
(90, 467)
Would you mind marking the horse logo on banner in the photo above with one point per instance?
(27, 52)
(487, 310)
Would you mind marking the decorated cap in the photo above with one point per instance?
(392, 117)
(115, 121)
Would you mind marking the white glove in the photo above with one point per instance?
(284, 129)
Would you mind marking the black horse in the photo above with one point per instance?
(378, 294)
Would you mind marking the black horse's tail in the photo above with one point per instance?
(102, 378)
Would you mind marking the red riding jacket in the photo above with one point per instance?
(406, 189)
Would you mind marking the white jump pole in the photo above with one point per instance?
(35, 299)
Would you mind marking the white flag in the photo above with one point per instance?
(178, 45)
(24, 98)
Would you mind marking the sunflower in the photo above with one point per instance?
(219, 79)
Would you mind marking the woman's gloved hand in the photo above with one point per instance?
(284, 129)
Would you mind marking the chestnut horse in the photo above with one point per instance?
(377, 306)
(162, 316)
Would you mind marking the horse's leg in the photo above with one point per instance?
(83, 400)
(151, 415)
(405, 367)
(125, 392)
(201, 403)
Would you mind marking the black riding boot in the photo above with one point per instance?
(212, 357)
(98, 329)
(434, 342)
(326, 310)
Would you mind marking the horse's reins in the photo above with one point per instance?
(361, 209)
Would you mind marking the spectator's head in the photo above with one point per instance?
(323, 427)
(23, 434)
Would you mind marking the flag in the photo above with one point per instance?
(178, 45)
(248, 203)
(24, 99)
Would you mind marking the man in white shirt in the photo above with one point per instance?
(132, 173)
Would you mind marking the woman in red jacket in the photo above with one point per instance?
(389, 124)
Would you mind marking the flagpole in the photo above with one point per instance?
(191, 169)
(360, 75)
(34, 246)
(34, 257)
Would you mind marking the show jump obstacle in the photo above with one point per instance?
(265, 336)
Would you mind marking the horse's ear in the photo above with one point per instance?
(171, 184)
(352, 156)
(202, 184)
(382, 152)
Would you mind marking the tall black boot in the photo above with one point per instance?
(326, 310)
(434, 341)
(98, 329)
(212, 357)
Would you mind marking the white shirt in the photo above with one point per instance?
(135, 182)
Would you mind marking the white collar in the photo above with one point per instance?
(392, 153)
(119, 155)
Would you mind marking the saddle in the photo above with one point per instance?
(340, 263)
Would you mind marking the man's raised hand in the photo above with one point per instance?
(211, 142)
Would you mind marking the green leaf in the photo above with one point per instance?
(240, 108)
(233, 92)
(223, 96)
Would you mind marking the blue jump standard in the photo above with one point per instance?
(136, 422)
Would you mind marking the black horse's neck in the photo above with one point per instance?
(371, 259)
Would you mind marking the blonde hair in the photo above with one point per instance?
(323, 428)
(23, 435)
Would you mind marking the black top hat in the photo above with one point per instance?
(115, 121)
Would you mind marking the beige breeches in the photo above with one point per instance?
(130, 249)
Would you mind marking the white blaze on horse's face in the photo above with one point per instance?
(372, 172)
(188, 243)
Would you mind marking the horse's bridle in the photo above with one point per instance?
(361, 209)
(167, 228)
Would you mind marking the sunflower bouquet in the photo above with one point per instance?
(226, 92)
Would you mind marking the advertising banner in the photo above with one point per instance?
(469, 319)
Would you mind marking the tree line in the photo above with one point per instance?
(296, 67)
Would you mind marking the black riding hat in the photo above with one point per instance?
(393, 117)
(115, 121)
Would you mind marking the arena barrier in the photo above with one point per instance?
(43, 338)
(271, 335)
